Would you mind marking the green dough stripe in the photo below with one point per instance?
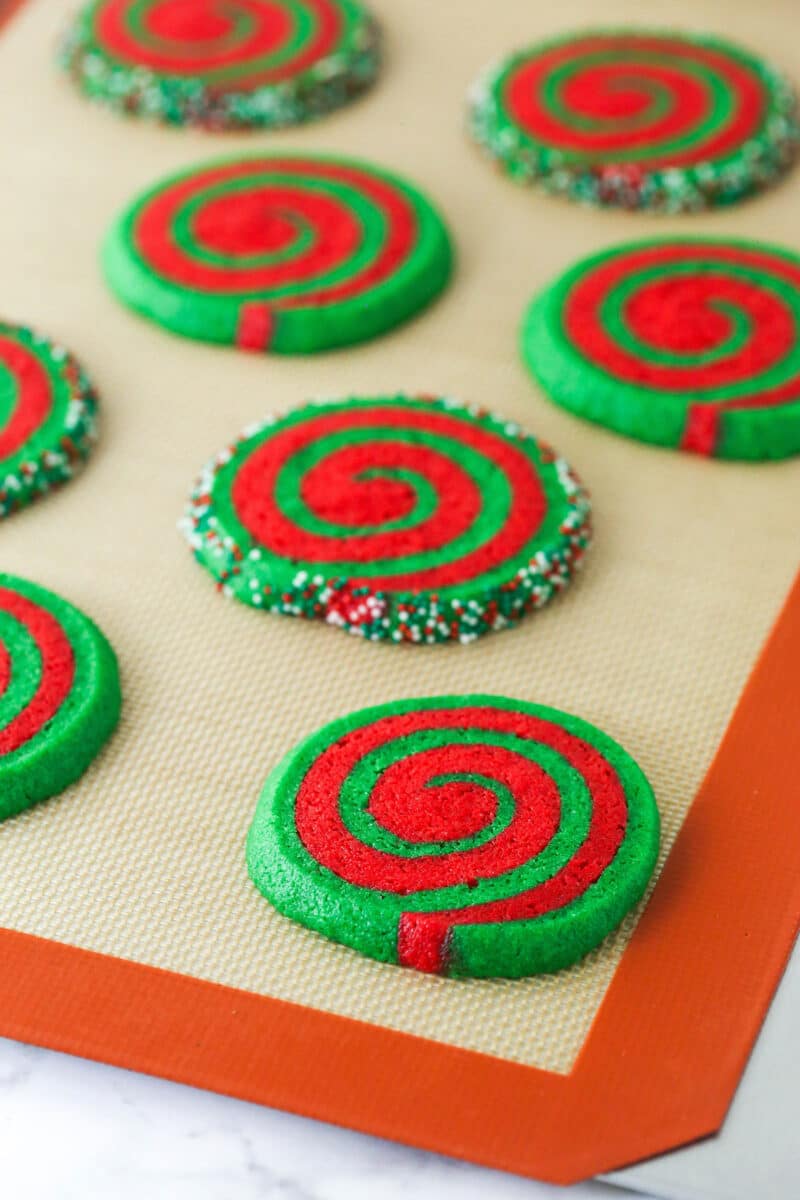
(27, 667)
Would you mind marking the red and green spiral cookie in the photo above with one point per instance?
(47, 416)
(223, 64)
(401, 518)
(283, 253)
(59, 693)
(690, 343)
(460, 835)
(638, 118)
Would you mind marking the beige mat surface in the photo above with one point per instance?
(144, 858)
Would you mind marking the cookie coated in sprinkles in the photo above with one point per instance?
(638, 119)
(401, 519)
(238, 65)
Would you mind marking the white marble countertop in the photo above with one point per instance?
(77, 1130)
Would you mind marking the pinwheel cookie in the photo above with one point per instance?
(460, 835)
(402, 518)
(233, 65)
(693, 343)
(638, 118)
(289, 254)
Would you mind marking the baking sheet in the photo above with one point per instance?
(144, 858)
(757, 1152)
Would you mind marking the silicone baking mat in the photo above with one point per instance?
(143, 859)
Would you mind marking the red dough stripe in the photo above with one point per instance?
(687, 111)
(410, 800)
(254, 331)
(57, 670)
(703, 426)
(34, 396)
(5, 669)
(240, 224)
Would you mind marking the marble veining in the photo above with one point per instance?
(77, 1130)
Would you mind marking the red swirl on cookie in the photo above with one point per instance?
(192, 37)
(57, 670)
(360, 477)
(311, 235)
(636, 94)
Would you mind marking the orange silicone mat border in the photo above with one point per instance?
(663, 1056)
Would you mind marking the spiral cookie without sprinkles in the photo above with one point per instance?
(47, 416)
(59, 694)
(399, 518)
(688, 343)
(460, 835)
(244, 63)
(639, 119)
(288, 254)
